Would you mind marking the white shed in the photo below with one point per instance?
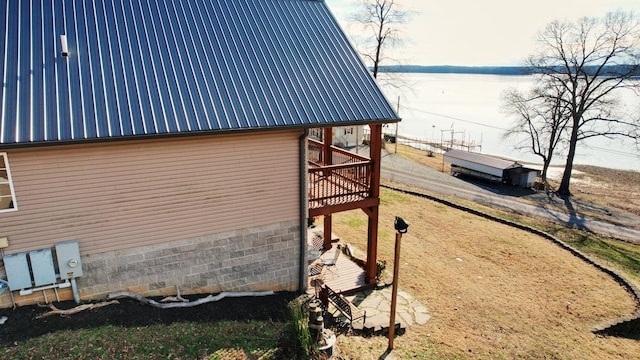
(490, 168)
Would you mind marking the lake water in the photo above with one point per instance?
(435, 106)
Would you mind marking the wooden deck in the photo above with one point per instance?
(338, 180)
(346, 276)
(338, 184)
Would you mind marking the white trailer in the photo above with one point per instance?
(490, 168)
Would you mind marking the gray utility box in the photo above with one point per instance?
(42, 267)
(69, 264)
(18, 274)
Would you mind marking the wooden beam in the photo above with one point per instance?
(331, 209)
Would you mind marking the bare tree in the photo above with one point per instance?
(590, 59)
(381, 19)
(540, 122)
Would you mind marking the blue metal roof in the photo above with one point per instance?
(147, 67)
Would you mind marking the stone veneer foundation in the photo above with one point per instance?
(253, 259)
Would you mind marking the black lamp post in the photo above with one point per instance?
(401, 227)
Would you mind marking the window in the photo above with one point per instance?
(7, 196)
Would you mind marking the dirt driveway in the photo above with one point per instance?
(568, 212)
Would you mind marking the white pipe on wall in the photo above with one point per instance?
(30, 291)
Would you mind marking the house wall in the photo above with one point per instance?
(342, 136)
(207, 213)
(347, 136)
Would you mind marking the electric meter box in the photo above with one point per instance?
(42, 267)
(18, 274)
(68, 255)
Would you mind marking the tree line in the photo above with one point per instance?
(488, 70)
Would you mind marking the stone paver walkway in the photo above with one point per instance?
(377, 304)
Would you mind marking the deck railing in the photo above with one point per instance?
(346, 179)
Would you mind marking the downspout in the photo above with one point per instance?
(303, 211)
(74, 288)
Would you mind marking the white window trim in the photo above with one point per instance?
(5, 159)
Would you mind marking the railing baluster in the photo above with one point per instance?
(342, 183)
(346, 180)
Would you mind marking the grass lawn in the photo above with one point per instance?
(493, 291)
(185, 340)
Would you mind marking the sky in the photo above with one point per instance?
(479, 33)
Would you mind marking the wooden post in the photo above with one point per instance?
(375, 156)
(394, 292)
(327, 157)
(327, 138)
(375, 149)
(326, 245)
(371, 267)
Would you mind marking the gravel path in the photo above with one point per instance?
(542, 205)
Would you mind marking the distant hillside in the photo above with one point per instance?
(449, 69)
(488, 70)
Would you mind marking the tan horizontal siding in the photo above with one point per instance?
(128, 194)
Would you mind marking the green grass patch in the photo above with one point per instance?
(388, 197)
(384, 235)
(355, 222)
(625, 256)
(188, 340)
